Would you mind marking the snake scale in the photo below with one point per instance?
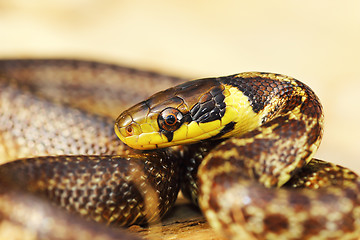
(244, 154)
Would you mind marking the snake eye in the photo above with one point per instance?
(170, 119)
(129, 130)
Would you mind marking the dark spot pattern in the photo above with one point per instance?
(347, 224)
(313, 226)
(299, 202)
(314, 134)
(276, 223)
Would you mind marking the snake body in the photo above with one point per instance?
(247, 135)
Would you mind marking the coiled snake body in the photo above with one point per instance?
(251, 132)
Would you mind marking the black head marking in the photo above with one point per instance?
(210, 107)
(228, 128)
(168, 134)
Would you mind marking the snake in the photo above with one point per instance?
(240, 147)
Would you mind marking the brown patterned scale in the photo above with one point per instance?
(56, 116)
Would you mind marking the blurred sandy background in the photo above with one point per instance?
(317, 42)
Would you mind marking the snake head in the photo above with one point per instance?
(150, 123)
(187, 113)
